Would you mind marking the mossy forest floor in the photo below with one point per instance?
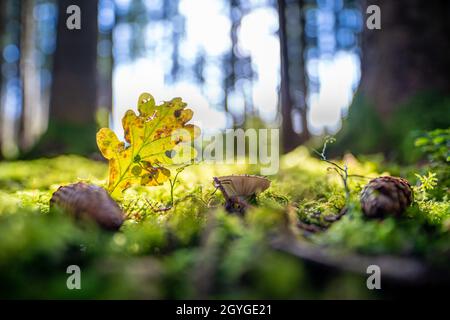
(196, 250)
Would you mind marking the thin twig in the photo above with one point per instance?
(341, 171)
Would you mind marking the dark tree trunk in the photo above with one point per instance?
(405, 87)
(294, 83)
(177, 33)
(109, 78)
(289, 136)
(105, 75)
(73, 99)
(74, 89)
(303, 104)
(410, 54)
(2, 41)
(231, 61)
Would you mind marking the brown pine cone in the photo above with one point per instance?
(386, 195)
(85, 201)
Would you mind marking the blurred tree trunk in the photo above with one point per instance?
(410, 54)
(74, 89)
(31, 116)
(404, 87)
(293, 88)
(288, 135)
(73, 98)
(177, 34)
(105, 69)
(231, 60)
(2, 42)
(302, 103)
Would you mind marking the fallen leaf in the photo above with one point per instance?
(156, 138)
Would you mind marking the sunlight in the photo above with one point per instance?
(206, 28)
(258, 39)
(338, 77)
(133, 79)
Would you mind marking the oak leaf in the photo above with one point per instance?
(157, 138)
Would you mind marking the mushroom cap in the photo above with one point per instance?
(243, 185)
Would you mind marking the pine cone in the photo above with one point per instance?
(386, 195)
(85, 201)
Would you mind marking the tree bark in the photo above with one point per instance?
(105, 74)
(410, 53)
(404, 87)
(74, 88)
(294, 81)
(31, 116)
(231, 61)
(303, 103)
(289, 136)
(2, 34)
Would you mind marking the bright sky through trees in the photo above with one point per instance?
(207, 31)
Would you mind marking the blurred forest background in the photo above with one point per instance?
(309, 67)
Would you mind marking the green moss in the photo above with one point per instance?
(160, 254)
(65, 138)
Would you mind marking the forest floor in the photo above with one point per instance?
(290, 246)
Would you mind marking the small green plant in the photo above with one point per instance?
(427, 183)
(435, 144)
(435, 211)
(173, 182)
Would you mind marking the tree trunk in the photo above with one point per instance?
(231, 61)
(105, 75)
(31, 116)
(405, 87)
(2, 42)
(289, 136)
(293, 74)
(73, 99)
(74, 89)
(410, 54)
(303, 103)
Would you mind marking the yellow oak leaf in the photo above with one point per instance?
(157, 138)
